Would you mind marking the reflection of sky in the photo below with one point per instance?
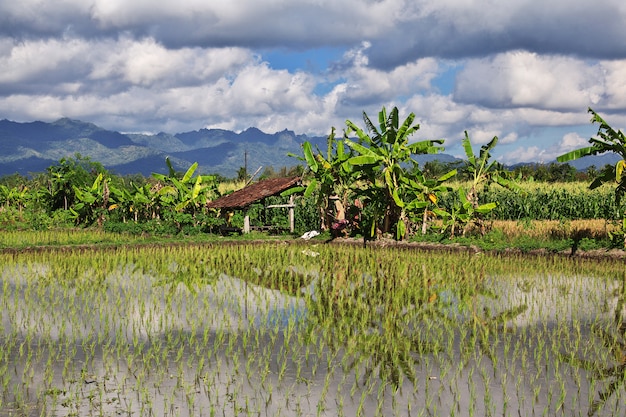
(316, 380)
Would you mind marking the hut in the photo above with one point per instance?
(258, 192)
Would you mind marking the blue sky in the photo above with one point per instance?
(523, 70)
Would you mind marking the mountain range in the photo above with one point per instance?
(31, 147)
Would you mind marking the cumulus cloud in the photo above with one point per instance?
(525, 79)
(401, 31)
(366, 85)
(462, 29)
(186, 64)
(568, 142)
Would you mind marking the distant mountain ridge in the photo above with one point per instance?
(34, 146)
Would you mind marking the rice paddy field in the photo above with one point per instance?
(295, 329)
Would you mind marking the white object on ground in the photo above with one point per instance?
(310, 234)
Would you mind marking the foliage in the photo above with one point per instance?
(68, 175)
(92, 203)
(551, 172)
(481, 172)
(330, 176)
(608, 140)
(425, 192)
(381, 156)
(374, 166)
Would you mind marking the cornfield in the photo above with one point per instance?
(546, 201)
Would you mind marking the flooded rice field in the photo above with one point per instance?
(292, 330)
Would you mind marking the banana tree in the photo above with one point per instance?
(330, 176)
(482, 172)
(608, 140)
(93, 201)
(67, 174)
(187, 194)
(136, 201)
(14, 196)
(381, 156)
(464, 212)
(425, 193)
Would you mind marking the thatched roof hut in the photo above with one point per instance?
(253, 193)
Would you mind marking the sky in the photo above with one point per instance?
(525, 71)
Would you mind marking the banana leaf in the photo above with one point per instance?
(576, 154)
(309, 157)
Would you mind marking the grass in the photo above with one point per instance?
(533, 235)
(525, 236)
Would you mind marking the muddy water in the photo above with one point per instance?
(134, 348)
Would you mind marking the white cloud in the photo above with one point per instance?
(615, 82)
(572, 141)
(148, 63)
(36, 60)
(185, 64)
(524, 154)
(368, 85)
(510, 138)
(524, 79)
(545, 154)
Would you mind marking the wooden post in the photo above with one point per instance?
(292, 217)
(246, 224)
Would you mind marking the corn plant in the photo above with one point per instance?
(608, 140)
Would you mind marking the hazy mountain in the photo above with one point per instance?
(596, 160)
(32, 147)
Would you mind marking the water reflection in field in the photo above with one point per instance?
(532, 345)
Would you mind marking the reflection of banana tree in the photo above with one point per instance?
(366, 315)
(395, 355)
(484, 324)
(615, 342)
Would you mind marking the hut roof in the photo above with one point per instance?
(254, 192)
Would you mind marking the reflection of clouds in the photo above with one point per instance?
(555, 298)
(279, 370)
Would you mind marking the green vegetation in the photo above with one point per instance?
(608, 140)
(367, 186)
(302, 329)
(385, 185)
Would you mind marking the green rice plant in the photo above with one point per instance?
(360, 328)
